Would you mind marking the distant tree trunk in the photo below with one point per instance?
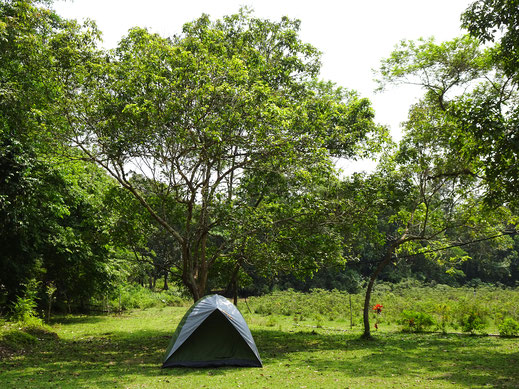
(49, 309)
(235, 292)
(166, 287)
(233, 283)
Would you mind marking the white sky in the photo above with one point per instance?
(353, 35)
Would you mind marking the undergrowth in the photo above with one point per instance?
(414, 308)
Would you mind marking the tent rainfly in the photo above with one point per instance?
(212, 333)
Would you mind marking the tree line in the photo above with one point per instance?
(206, 159)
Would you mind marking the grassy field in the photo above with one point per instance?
(125, 351)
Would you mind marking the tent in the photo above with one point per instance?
(212, 333)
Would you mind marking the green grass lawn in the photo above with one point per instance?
(126, 352)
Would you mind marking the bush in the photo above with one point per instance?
(318, 303)
(444, 316)
(448, 307)
(472, 314)
(509, 327)
(136, 296)
(23, 309)
(413, 321)
(472, 322)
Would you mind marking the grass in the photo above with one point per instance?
(448, 307)
(125, 351)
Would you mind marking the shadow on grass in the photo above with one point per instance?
(106, 360)
(75, 319)
(461, 359)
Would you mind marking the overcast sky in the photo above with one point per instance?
(352, 35)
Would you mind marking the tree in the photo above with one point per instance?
(436, 162)
(51, 230)
(153, 251)
(419, 210)
(492, 112)
(484, 18)
(474, 91)
(199, 112)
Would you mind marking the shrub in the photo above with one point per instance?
(509, 327)
(23, 309)
(413, 321)
(472, 322)
(444, 316)
(472, 314)
(137, 296)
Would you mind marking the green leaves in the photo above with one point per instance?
(469, 109)
(438, 67)
(496, 20)
(208, 117)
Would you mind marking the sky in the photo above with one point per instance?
(353, 36)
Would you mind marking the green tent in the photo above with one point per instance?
(212, 333)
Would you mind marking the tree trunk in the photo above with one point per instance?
(233, 283)
(367, 306)
(235, 292)
(196, 283)
(166, 287)
(189, 282)
(49, 308)
(188, 278)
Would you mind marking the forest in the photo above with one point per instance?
(204, 162)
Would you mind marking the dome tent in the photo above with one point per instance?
(212, 333)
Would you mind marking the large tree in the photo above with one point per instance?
(473, 90)
(52, 225)
(420, 207)
(201, 112)
(444, 180)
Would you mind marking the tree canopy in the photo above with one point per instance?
(205, 112)
(206, 158)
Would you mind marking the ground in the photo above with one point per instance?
(125, 351)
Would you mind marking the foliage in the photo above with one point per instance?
(152, 252)
(472, 318)
(53, 225)
(472, 104)
(208, 115)
(446, 306)
(221, 141)
(444, 159)
(472, 322)
(444, 316)
(509, 327)
(413, 321)
(316, 305)
(24, 308)
(136, 296)
(496, 20)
